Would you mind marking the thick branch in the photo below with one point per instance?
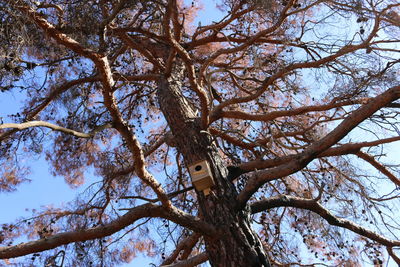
(60, 37)
(143, 211)
(122, 127)
(314, 206)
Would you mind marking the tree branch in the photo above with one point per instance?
(52, 95)
(189, 64)
(102, 64)
(141, 48)
(30, 124)
(351, 148)
(235, 114)
(136, 213)
(301, 160)
(314, 206)
(193, 261)
(301, 65)
(378, 166)
(392, 255)
(187, 243)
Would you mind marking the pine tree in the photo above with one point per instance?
(284, 109)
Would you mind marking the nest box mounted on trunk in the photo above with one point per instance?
(201, 174)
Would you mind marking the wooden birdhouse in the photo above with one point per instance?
(201, 174)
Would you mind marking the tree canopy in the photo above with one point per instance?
(292, 105)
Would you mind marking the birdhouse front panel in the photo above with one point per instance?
(201, 175)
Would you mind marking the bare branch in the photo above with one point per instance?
(30, 124)
(52, 96)
(142, 48)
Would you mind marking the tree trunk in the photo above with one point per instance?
(239, 245)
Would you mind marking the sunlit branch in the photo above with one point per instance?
(52, 96)
(316, 148)
(191, 262)
(378, 166)
(131, 140)
(30, 124)
(314, 206)
(136, 213)
(172, 14)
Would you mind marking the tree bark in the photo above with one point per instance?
(238, 245)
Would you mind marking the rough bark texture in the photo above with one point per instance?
(238, 244)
